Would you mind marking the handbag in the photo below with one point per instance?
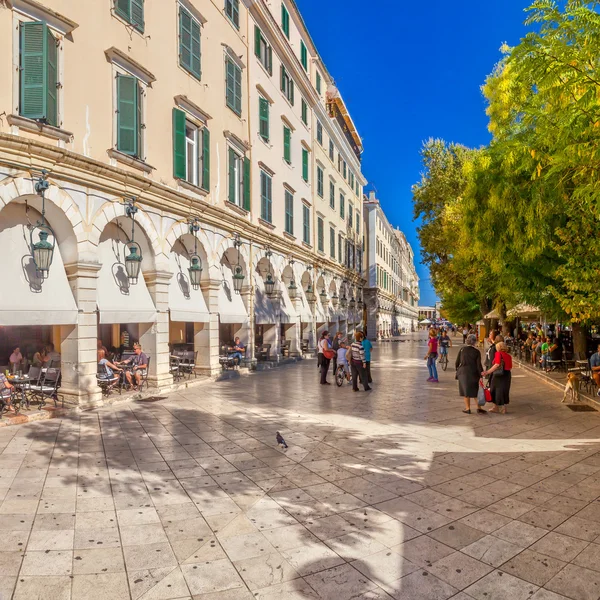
(481, 396)
(328, 354)
(500, 371)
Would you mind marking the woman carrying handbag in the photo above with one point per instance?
(500, 386)
(468, 373)
(327, 353)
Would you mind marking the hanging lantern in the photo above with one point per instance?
(238, 279)
(343, 301)
(310, 294)
(269, 284)
(292, 289)
(352, 303)
(335, 299)
(42, 250)
(133, 262)
(324, 298)
(360, 305)
(195, 271)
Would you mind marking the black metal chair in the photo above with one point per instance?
(47, 387)
(264, 353)
(304, 346)
(106, 381)
(285, 347)
(175, 366)
(188, 360)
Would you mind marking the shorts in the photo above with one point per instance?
(443, 350)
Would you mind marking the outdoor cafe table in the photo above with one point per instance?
(21, 383)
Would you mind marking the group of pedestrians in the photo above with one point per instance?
(356, 355)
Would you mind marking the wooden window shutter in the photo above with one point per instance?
(232, 178)
(137, 14)
(185, 39)
(179, 150)
(305, 164)
(263, 110)
(238, 89)
(122, 9)
(196, 51)
(138, 119)
(33, 70)
(230, 91)
(270, 59)
(257, 39)
(206, 159)
(303, 55)
(282, 71)
(247, 183)
(127, 137)
(287, 144)
(291, 92)
(51, 79)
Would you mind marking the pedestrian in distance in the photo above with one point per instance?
(327, 353)
(368, 346)
(358, 364)
(337, 339)
(468, 373)
(431, 356)
(465, 333)
(444, 343)
(501, 380)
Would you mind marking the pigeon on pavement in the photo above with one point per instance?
(280, 440)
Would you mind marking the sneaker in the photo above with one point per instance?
(430, 379)
(435, 381)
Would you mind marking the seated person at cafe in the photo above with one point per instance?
(595, 366)
(16, 359)
(38, 358)
(6, 389)
(139, 362)
(52, 358)
(109, 369)
(238, 350)
(101, 346)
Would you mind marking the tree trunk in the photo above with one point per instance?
(579, 342)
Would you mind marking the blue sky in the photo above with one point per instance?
(408, 74)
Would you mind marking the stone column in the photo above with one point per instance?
(78, 343)
(154, 337)
(206, 335)
(246, 331)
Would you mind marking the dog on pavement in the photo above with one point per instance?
(572, 387)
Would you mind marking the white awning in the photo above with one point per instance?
(25, 299)
(320, 315)
(231, 305)
(118, 301)
(264, 310)
(305, 312)
(288, 311)
(186, 305)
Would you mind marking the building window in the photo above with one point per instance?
(318, 82)
(340, 246)
(331, 150)
(350, 214)
(304, 112)
(342, 206)
(332, 194)
(263, 118)
(306, 224)
(357, 222)
(189, 43)
(266, 195)
(320, 235)
(191, 151)
(320, 185)
(319, 132)
(285, 20)
(289, 212)
(132, 11)
(305, 164)
(234, 87)
(287, 85)
(332, 242)
(287, 144)
(239, 179)
(339, 162)
(263, 50)
(303, 55)
(232, 10)
(344, 168)
(38, 73)
(129, 115)
(351, 179)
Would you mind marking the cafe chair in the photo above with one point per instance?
(47, 387)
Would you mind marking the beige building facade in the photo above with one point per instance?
(164, 137)
(392, 292)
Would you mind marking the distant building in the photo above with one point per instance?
(433, 313)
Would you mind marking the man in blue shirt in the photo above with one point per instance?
(237, 351)
(595, 365)
(368, 347)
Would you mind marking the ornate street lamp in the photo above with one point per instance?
(195, 268)
(42, 250)
(269, 281)
(238, 274)
(133, 261)
(352, 303)
(344, 301)
(335, 299)
(310, 294)
(292, 289)
(324, 298)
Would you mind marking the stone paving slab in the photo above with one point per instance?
(392, 494)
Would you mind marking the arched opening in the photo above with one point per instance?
(266, 310)
(290, 343)
(321, 306)
(306, 315)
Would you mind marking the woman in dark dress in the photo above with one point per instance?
(468, 372)
(500, 386)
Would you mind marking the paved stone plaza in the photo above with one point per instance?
(390, 494)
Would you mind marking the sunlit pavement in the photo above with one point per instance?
(389, 494)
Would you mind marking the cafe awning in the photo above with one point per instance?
(305, 311)
(118, 301)
(186, 305)
(231, 305)
(25, 299)
(264, 308)
(288, 312)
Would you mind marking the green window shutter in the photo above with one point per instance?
(270, 60)
(287, 144)
(247, 183)
(305, 164)
(196, 53)
(318, 82)
(291, 92)
(137, 14)
(304, 112)
(138, 120)
(122, 8)
(127, 111)
(320, 234)
(206, 159)
(230, 87)
(285, 20)
(282, 72)
(263, 116)
(320, 182)
(33, 102)
(185, 39)
(257, 38)
(231, 176)
(179, 158)
(303, 55)
(52, 79)
(238, 89)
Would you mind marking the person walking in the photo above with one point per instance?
(431, 356)
(326, 353)
(358, 364)
(336, 346)
(468, 373)
(465, 334)
(501, 380)
(368, 346)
